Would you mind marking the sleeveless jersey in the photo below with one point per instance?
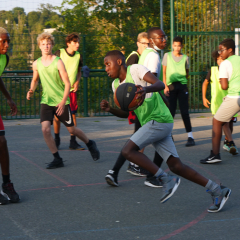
(133, 52)
(3, 62)
(52, 84)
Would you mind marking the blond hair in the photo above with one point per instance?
(45, 35)
(3, 31)
(141, 36)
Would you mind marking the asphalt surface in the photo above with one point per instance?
(74, 202)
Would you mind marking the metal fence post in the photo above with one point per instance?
(172, 21)
(85, 80)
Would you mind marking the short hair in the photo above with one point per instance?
(71, 37)
(178, 39)
(116, 53)
(215, 55)
(45, 35)
(141, 36)
(152, 30)
(228, 43)
(3, 31)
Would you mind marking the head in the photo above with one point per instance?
(4, 40)
(142, 41)
(113, 61)
(45, 42)
(226, 48)
(177, 44)
(72, 41)
(157, 38)
(216, 57)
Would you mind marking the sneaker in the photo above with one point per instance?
(9, 193)
(153, 182)
(3, 200)
(56, 163)
(137, 171)
(225, 146)
(219, 201)
(170, 185)
(232, 148)
(211, 158)
(111, 178)
(75, 146)
(190, 142)
(57, 142)
(94, 151)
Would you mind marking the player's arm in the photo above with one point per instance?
(204, 90)
(76, 84)
(224, 83)
(34, 82)
(166, 90)
(65, 79)
(105, 106)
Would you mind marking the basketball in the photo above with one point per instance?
(125, 97)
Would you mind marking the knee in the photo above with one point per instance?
(46, 131)
(72, 130)
(176, 167)
(126, 152)
(3, 141)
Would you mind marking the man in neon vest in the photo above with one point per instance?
(8, 192)
(175, 74)
(73, 63)
(55, 98)
(151, 60)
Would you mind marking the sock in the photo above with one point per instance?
(57, 136)
(213, 187)
(119, 163)
(73, 138)
(161, 173)
(6, 178)
(89, 144)
(190, 135)
(56, 155)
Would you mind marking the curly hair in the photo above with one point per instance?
(45, 35)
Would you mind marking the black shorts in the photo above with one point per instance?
(48, 112)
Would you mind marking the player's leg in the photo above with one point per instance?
(229, 144)
(8, 192)
(74, 106)
(67, 120)
(184, 109)
(46, 119)
(172, 99)
(56, 127)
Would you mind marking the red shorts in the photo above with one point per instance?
(2, 130)
(131, 117)
(73, 102)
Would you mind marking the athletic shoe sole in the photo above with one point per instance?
(212, 161)
(233, 151)
(57, 166)
(152, 185)
(6, 196)
(227, 195)
(110, 180)
(172, 192)
(79, 149)
(225, 148)
(136, 173)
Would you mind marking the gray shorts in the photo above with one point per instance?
(157, 134)
(228, 108)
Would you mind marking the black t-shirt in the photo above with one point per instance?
(57, 53)
(133, 59)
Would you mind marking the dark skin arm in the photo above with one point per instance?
(224, 83)
(105, 106)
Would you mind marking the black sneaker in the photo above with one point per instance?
(137, 171)
(111, 178)
(153, 182)
(75, 146)
(3, 200)
(56, 163)
(94, 151)
(57, 142)
(190, 142)
(211, 158)
(9, 193)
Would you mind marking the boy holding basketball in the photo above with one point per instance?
(157, 124)
(8, 192)
(55, 100)
(217, 96)
(229, 75)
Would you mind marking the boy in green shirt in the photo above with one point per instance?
(73, 63)
(8, 192)
(217, 96)
(157, 124)
(229, 75)
(175, 74)
(55, 100)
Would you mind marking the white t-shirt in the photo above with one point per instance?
(153, 62)
(225, 71)
(137, 72)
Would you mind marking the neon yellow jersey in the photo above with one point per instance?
(3, 62)
(71, 65)
(52, 84)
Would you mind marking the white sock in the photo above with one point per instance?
(190, 135)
